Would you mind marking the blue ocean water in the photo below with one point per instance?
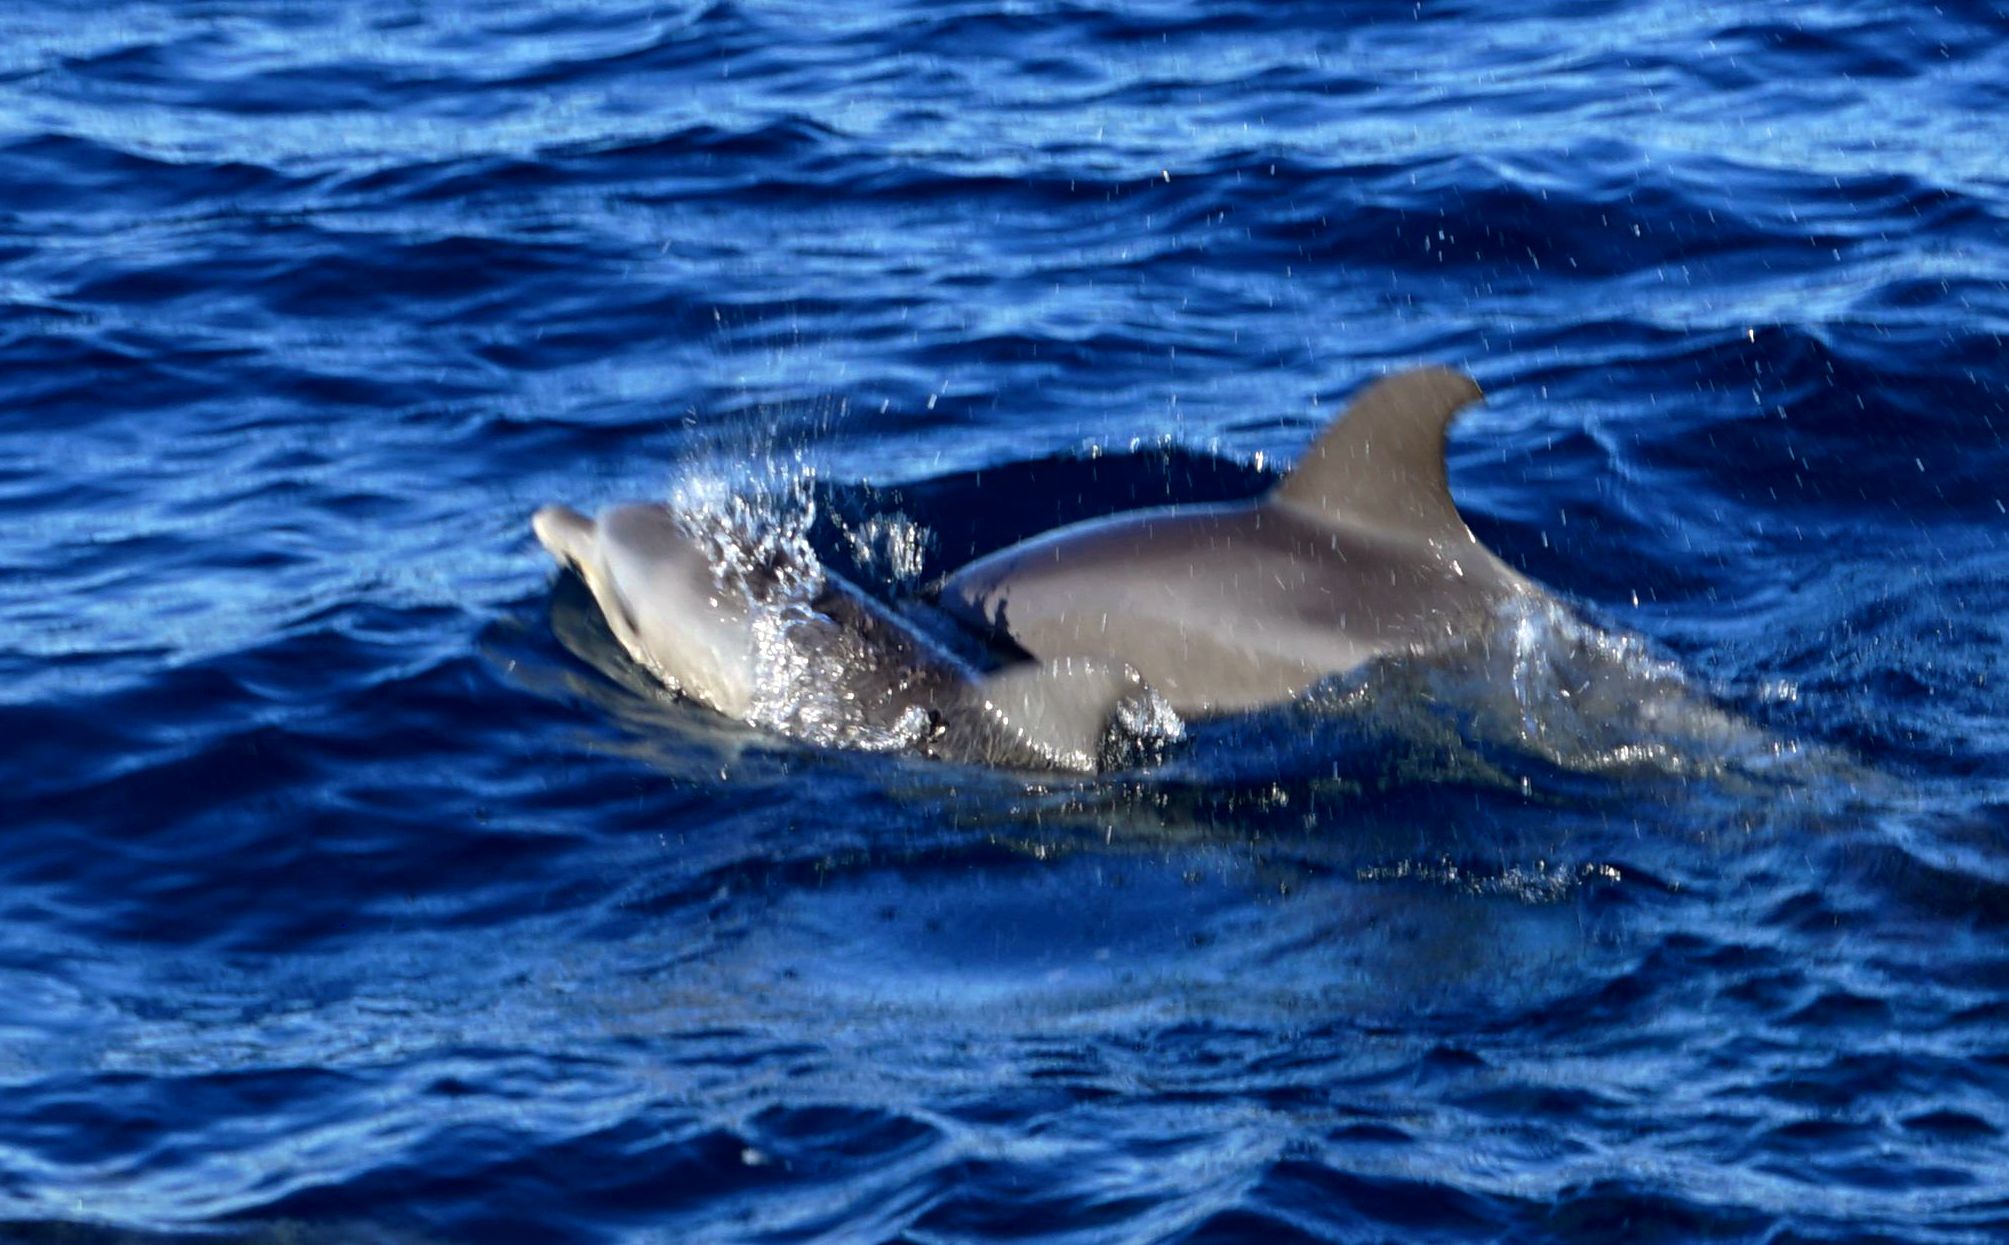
(350, 890)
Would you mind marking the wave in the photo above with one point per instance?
(356, 888)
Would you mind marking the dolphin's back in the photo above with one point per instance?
(1221, 608)
(1357, 553)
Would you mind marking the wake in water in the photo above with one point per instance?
(1541, 681)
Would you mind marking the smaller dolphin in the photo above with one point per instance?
(1359, 552)
(766, 635)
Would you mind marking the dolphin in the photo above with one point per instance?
(761, 632)
(1357, 553)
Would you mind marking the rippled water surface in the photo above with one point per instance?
(353, 888)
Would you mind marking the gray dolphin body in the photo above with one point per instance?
(764, 635)
(1357, 553)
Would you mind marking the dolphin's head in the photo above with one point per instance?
(662, 596)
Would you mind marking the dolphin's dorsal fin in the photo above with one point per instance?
(1381, 463)
(1059, 711)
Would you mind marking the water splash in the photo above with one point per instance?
(1584, 698)
(1537, 682)
(754, 524)
(1144, 729)
(1541, 882)
(892, 545)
